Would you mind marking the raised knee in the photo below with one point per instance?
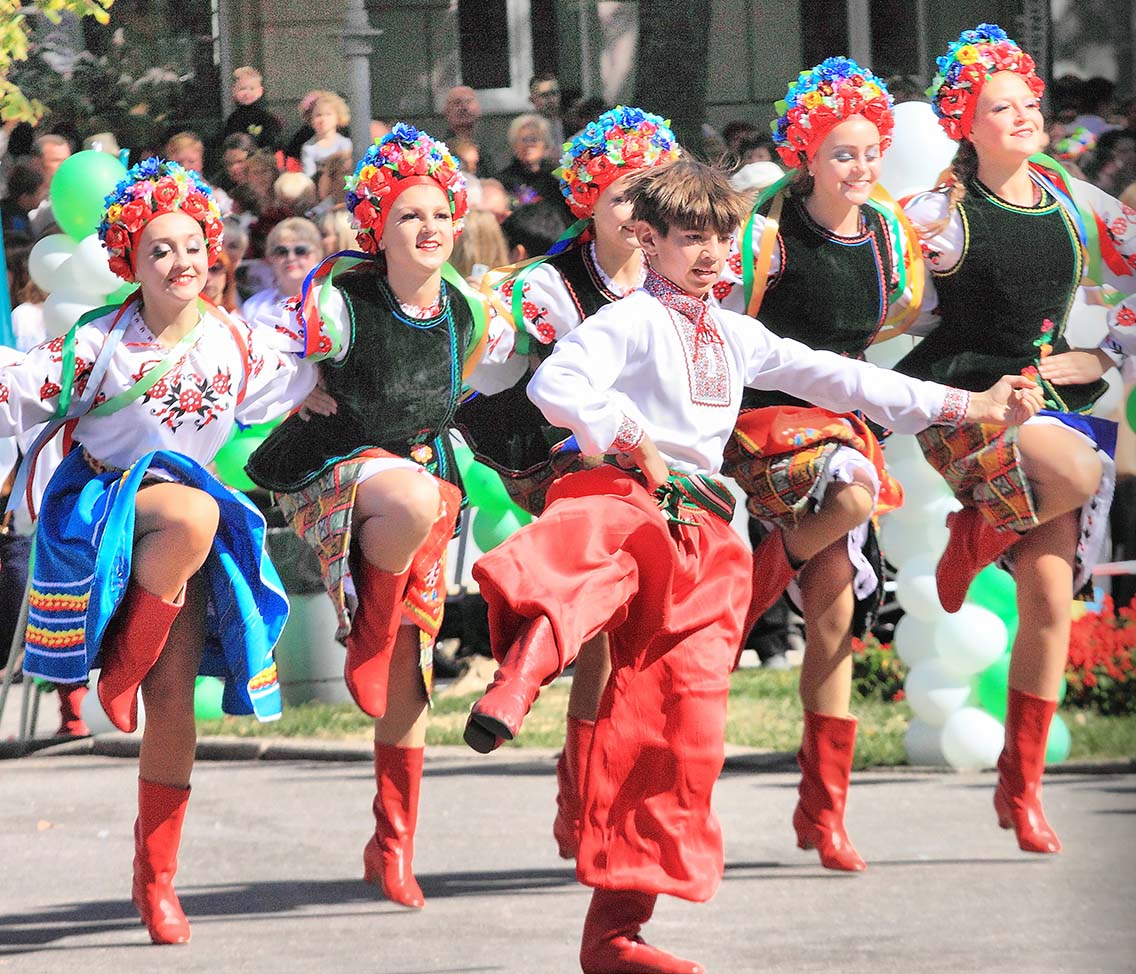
(415, 505)
(194, 520)
(1082, 473)
(853, 502)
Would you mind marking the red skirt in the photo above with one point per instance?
(603, 557)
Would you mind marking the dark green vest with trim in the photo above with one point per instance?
(506, 431)
(830, 292)
(397, 386)
(1020, 267)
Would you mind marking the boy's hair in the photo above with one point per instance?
(535, 226)
(295, 192)
(248, 72)
(686, 194)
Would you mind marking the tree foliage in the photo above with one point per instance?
(14, 44)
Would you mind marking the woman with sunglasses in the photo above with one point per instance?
(294, 246)
(146, 566)
(1007, 240)
(373, 489)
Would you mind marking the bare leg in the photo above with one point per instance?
(174, 530)
(394, 512)
(592, 669)
(404, 723)
(1063, 471)
(826, 591)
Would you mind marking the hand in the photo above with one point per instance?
(1009, 402)
(319, 403)
(647, 458)
(1074, 368)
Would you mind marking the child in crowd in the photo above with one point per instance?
(251, 115)
(641, 547)
(327, 114)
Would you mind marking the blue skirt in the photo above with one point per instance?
(83, 547)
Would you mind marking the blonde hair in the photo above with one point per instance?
(337, 104)
(527, 121)
(295, 192)
(337, 223)
(688, 195)
(295, 226)
(481, 242)
(249, 72)
(181, 140)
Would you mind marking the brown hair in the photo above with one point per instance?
(229, 293)
(952, 182)
(687, 194)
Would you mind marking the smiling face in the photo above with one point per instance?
(1007, 119)
(691, 259)
(172, 262)
(419, 232)
(612, 217)
(290, 258)
(847, 163)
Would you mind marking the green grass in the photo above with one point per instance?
(764, 712)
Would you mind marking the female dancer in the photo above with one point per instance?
(136, 540)
(373, 488)
(599, 262)
(820, 489)
(1004, 246)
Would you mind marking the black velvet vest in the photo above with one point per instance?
(830, 292)
(1020, 267)
(398, 386)
(506, 430)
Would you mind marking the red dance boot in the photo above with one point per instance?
(772, 573)
(974, 543)
(611, 943)
(71, 724)
(132, 643)
(371, 640)
(531, 661)
(388, 855)
(825, 758)
(570, 785)
(1017, 799)
(157, 835)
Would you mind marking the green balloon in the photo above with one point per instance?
(207, 694)
(484, 488)
(79, 188)
(995, 589)
(117, 297)
(491, 527)
(1057, 747)
(463, 456)
(232, 457)
(1130, 410)
(992, 687)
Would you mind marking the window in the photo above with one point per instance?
(495, 52)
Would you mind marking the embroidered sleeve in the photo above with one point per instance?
(547, 307)
(278, 380)
(1120, 342)
(955, 404)
(499, 368)
(1116, 226)
(628, 436)
(30, 383)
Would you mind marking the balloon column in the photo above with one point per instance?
(72, 266)
(959, 663)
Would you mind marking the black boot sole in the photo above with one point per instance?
(484, 733)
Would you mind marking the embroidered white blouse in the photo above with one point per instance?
(634, 367)
(191, 410)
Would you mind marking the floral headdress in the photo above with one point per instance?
(151, 188)
(820, 99)
(965, 68)
(618, 142)
(404, 157)
(1075, 145)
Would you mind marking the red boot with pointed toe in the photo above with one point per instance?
(1017, 799)
(825, 758)
(531, 661)
(570, 783)
(389, 854)
(611, 943)
(131, 645)
(157, 836)
(974, 543)
(374, 629)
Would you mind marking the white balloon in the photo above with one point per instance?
(900, 540)
(915, 588)
(886, 354)
(900, 446)
(95, 717)
(62, 309)
(935, 690)
(91, 271)
(972, 739)
(923, 744)
(919, 152)
(48, 260)
(921, 482)
(1110, 400)
(970, 639)
(914, 638)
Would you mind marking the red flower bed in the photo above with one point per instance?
(1102, 658)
